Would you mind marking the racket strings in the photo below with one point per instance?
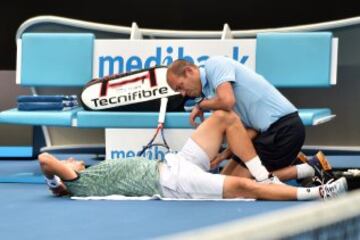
(160, 128)
(151, 142)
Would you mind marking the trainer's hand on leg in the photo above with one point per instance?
(216, 161)
(220, 157)
(196, 112)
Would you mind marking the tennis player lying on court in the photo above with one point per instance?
(180, 175)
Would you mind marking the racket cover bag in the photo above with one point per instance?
(138, 91)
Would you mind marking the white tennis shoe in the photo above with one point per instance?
(333, 188)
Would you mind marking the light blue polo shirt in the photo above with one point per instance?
(258, 103)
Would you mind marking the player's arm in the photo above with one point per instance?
(51, 166)
(53, 169)
(224, 98)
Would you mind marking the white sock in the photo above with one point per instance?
(308, 193)
(304, 170)
(257, 170)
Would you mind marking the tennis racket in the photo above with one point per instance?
(159, 129)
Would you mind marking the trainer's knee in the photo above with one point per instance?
(226, 117)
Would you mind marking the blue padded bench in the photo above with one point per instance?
(52, 60)
(51, 118)
(173, 120)
(68, 58)
(131, 119)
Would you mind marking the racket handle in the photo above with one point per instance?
(162, 113)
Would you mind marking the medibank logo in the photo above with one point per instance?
(155, 153)
(161, 56)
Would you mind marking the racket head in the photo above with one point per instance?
(157, 148)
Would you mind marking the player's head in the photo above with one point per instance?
(76, 165)
(184, 77)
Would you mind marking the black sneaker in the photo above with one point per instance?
(322, 167)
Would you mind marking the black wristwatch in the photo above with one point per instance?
(198, 100)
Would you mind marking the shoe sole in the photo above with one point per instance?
(326, 166)
(302, 157)
(323, 161)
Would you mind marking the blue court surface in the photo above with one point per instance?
(28, 211)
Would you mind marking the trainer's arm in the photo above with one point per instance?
(252, 133)
(224, 99)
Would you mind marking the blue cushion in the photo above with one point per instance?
(56, 59)
(16, 151)
(50, 118)
(98, 119)
(315, 116)
(91, 119)
(295, 59)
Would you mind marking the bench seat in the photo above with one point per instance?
(49, 118)
(91, 119)
(315, 116)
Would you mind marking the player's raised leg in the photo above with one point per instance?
(210, 134)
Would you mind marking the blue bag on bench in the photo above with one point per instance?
(46, 98)
(48, 106)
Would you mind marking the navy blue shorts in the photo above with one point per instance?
(279, 145)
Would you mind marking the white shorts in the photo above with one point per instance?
(184, 175)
